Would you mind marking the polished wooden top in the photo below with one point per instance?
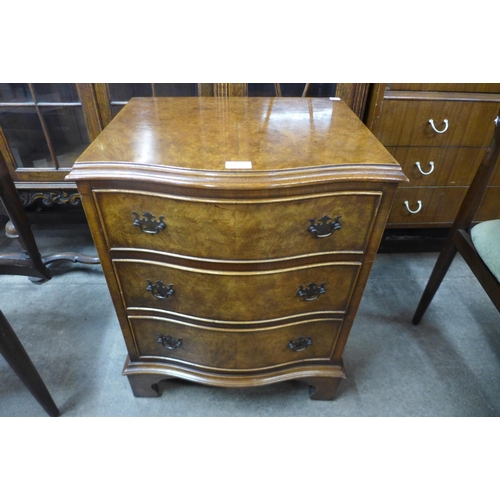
(194, 136)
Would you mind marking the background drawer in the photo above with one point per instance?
(232, 349)
(452, 166)
(237, 296)
(447, 87)
(245, 231)
(440, 205)
(406, 123)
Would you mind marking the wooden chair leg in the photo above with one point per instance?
(19, 220)
(438, 273)
(16, 356)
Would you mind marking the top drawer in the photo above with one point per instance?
(406, 122)
(238, 230)
(447, 87)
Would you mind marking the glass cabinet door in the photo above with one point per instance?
(44, 128)
(111, 97)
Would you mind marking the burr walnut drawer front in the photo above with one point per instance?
(253, 348)
(237, 296)
(407, 122)
(238, 230)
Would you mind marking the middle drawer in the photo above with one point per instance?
(237, 296)
(438, 166)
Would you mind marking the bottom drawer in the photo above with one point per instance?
(420, 206)
(439, 206)
(233, 349)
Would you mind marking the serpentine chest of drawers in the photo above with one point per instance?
(236, 235)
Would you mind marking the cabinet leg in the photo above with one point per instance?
(144, 386)
(323, 388)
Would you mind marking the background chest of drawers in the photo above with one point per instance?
(236, 276)
(439, 158)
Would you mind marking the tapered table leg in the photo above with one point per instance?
(18, 359)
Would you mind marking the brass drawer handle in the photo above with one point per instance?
(148, 224)
(445, 121)
(169, 342)
(300, 344)
(324, 227)
(429, 172)
(407, 205)
(160, 290)
(311, 291)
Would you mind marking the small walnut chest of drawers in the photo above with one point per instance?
(236, 235)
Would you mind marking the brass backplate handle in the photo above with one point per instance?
(169, 342)
(325, 226)
(160, 290)
(300, 344)
(148, 224)
(311, 291)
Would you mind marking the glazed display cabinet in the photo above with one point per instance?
(43, 129)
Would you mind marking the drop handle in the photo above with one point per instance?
(407, 205)
(300, 344)
(169, 342)
(160, 290)
(325, 226)
(445, 121)
(311, 291)
(429, 172)
(148, 223)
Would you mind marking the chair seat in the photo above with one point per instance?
(486, 239)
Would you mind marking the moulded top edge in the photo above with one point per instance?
(236, 179)
(254, 133)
